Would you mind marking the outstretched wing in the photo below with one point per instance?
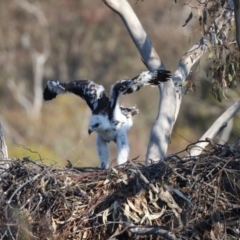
(128, 86)
(89, 91)
(147, 78)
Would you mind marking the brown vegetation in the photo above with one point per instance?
(182, 198)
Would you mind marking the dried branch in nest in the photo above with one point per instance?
(193, 198)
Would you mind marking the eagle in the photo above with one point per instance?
(109, 120)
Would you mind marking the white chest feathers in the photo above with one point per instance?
(110, 134)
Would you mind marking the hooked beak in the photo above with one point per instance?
(89, 131)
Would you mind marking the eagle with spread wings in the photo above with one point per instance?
(109, 120)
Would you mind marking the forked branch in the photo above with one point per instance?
(222, 23)
(170, 96)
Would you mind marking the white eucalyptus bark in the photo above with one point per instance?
(226, 132)
(215, 128)
(170, 96)
(3, 146)
(225, 19)
(137, 33)
(162, 127)
(4, 163)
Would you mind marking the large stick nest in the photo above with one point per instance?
(181, 198)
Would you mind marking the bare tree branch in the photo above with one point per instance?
(195, 53)
(224, 19)
(11, 131)
(39, 58)
(3, 154)
(215, 128)
(137, 33)
(162, 128)
(170, 97)
(3, 146)
(226, 132)
(152, 230)
(19, 96)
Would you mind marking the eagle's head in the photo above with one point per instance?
(98, 123)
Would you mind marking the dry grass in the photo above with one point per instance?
(177, 199)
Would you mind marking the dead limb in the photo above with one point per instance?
(215, 128)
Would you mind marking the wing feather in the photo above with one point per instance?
(89, 91)
(128, 86)
(148, 78)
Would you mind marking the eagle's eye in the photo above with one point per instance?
(96, 125)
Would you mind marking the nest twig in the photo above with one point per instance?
(177, 199)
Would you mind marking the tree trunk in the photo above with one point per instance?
(3, 146)
(215, 128)
(171, 93)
